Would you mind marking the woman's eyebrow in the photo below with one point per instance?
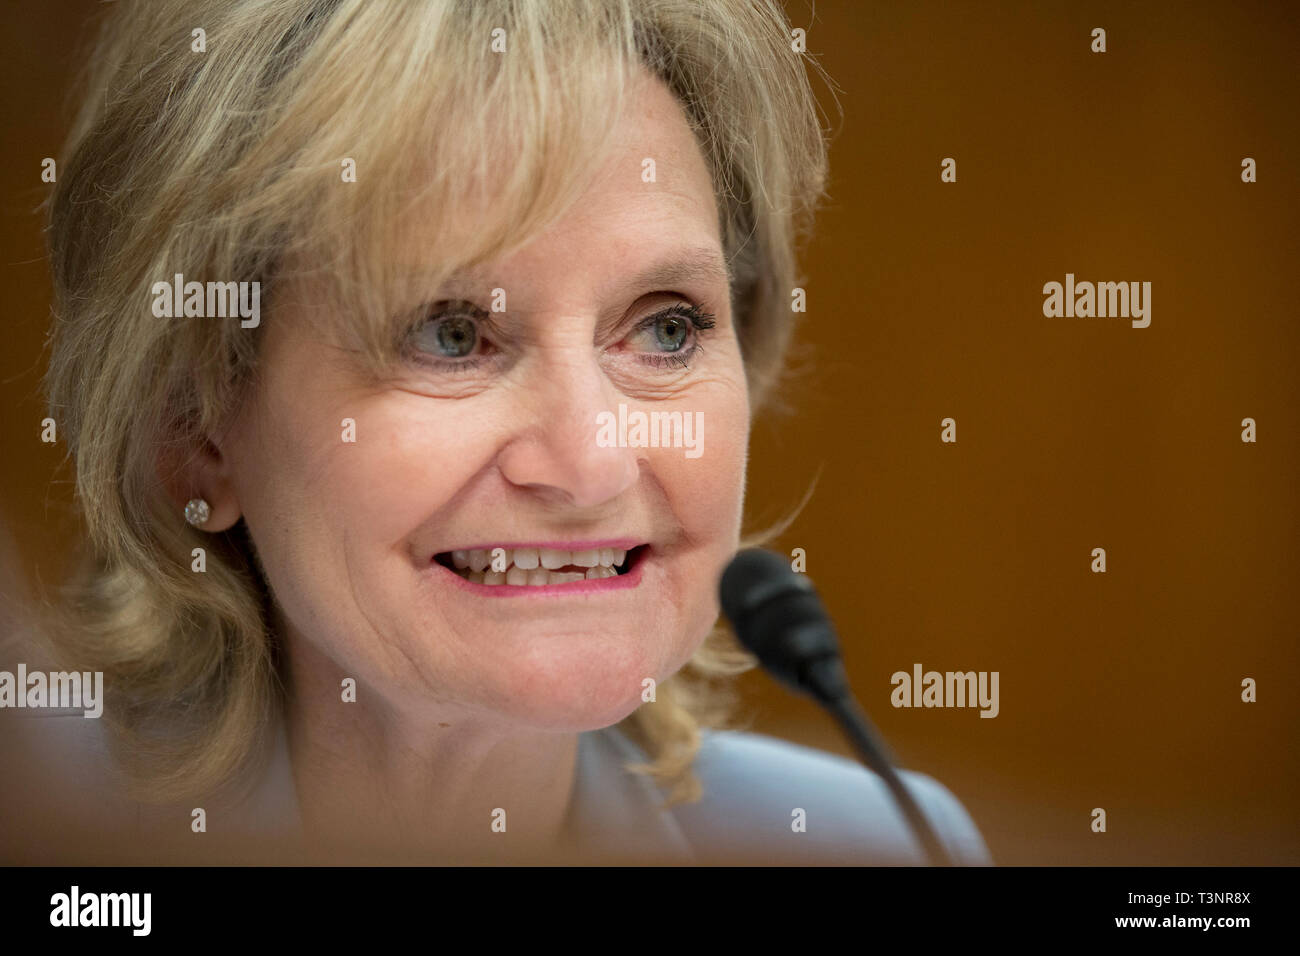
(696, 264)
(703, 264)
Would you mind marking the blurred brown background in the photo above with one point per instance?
(1118, 690)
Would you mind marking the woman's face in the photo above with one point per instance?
(491, 437)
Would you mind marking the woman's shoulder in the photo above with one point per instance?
(773, 800)
(61, 778)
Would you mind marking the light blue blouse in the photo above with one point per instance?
(753, 786)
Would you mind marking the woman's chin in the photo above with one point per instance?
(572, 709)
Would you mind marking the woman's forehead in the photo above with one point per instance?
(648, 204)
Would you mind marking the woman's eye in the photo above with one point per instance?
(454, 337)
(673, 333)
(446, 335)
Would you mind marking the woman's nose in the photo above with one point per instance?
(554, 451)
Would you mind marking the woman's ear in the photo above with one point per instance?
(188, 472)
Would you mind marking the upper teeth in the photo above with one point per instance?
(531, 565)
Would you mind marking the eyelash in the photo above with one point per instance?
(701, 322)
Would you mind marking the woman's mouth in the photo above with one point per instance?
(519, 568)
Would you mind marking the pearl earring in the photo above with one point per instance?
(197, 512)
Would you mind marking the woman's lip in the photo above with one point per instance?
(619, 582)
(625, 544)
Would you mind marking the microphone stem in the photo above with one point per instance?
(873, 752)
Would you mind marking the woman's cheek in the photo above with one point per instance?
(729, 438)
(410, 458)
(708, 489)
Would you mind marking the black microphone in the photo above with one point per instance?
(778, 616)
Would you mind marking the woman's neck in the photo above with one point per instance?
(425, 783)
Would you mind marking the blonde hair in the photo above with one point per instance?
(226, 163)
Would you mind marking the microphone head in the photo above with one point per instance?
(778, 616)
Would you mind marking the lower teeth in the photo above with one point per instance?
(538, 577)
